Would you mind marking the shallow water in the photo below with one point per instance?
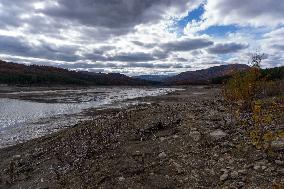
(22, 120)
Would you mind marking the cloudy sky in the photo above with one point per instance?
(141, 36)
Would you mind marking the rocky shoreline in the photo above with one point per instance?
(183, 140)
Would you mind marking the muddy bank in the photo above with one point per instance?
(182, 140)
(25, 115)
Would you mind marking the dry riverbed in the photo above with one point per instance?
(182, 140)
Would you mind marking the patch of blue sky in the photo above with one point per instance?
(220, 31)
(255, 33)
(179, 24)
(225, 57)
(193, 15)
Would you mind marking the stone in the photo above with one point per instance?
(162, 155)
(162, 139)
(234, 174)
(242, 172)
(121, 179)
(175, 136)
(195, 135)
(241, 184)
(16, 157)
(224, 177)
(178, 167)
(279, 162)
(218, 134)
(281, 171)
(277, 144)
(256, 167)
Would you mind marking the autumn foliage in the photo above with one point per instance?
(256, 100)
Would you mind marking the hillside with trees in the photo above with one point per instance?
(28, 75)
(205, 76)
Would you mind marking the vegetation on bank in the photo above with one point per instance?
(256, 98)
(35, 75)
(269, 74)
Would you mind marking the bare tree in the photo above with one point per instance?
(256, 59)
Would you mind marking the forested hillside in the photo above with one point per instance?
(19, 74)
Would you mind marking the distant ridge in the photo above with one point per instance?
(20, 74)
(27, 75)
(157, 78)
(205, 76)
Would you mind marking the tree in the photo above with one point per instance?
(256, 59)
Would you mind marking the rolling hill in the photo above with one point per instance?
(205, 76)
(20, 74)
(157, 78)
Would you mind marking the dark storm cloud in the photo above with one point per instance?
(20, 47)
(278, 47)
(225, 48)
(13, 45)
(98, 19)
(181, 59)
(10, 11)
(146, 45)
(138, 56)
(100, 65)
(113, 13)
(94, 20)
(132, 57)
(87, 65)
(153, 65)
(187, 44)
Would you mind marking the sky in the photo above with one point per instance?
(136, 37)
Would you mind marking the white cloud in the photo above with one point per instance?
(134, 33)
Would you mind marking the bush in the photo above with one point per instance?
(257, 98)
(243, 87)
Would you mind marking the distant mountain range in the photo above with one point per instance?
(157, 78)
(205, 76)
(20, 74)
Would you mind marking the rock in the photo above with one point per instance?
(224, 177)
(242, 172)
(234, 174)
(121, 179)
(256, 167)
(281, 171)
(277, 144)
(178, 167)
(16, 157)
(162, 155)
(279, 162)
(195, 135)
(218, 134)
(240, 184)
(175, 136)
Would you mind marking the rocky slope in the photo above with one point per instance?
(183, 140)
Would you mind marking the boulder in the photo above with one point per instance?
(218, 134)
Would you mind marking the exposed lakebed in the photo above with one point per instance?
(26, 115)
